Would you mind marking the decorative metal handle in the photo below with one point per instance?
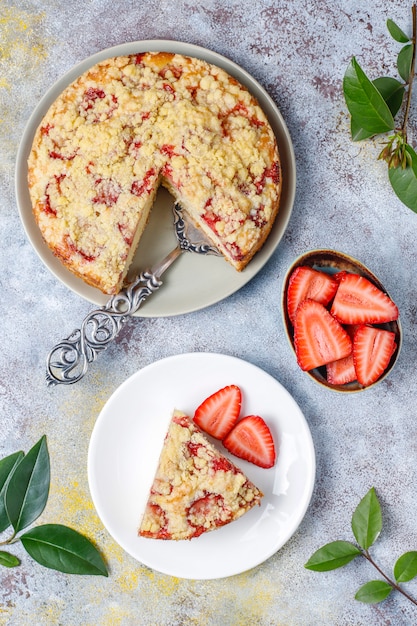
(68, 361)
(182, 233)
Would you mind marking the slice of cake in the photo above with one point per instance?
(196, 488)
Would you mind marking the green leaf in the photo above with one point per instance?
(7, 466)
(373, 592)
(366, 105)
(357, 133)
(64, 549)
(332, 555)
(393, 93)
(404, 60)
(28, 489)
(367, 520)
(8, 560)
(404, 181)
(396, 32)
(405, 568)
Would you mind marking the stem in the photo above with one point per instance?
(411, 79)
(9, 540)
(393, 584)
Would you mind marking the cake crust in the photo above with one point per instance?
(131, 123)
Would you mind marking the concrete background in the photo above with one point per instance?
(298, 51)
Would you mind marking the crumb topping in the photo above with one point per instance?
(131, 123)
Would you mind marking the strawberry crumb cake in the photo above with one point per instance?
(196, 489)
(131, 123)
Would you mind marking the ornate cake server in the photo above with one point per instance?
(68, 361)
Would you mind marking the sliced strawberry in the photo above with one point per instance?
(252, 441)
(342, 371)
(308, 283)
(351, 329)
(318, 336)
(372, 352)
(339, 275)
(358, 301)
(218, 413)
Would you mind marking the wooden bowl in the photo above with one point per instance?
(331, 261)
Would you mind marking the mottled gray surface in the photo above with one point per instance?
(298, 51)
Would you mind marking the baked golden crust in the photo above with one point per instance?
(131, 123)
(196, 489)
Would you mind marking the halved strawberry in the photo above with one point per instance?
(218, 413)
(339, 275)
(358, 301)
(372, 352)
(342, 371)
(308, 283)
(318, 336)
(252, 441)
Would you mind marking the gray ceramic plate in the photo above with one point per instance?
(193, 282)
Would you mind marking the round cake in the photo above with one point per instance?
(131, 123)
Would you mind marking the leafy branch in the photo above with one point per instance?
(24, 491)
(374, 105)
(366, 527)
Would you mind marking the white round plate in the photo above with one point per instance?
(127, 440)
(193, 282)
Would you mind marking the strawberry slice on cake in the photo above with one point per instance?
(196, 489)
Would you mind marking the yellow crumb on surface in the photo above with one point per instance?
(167, 585)
(75, 504)
(23, 49)
(128, 580)
(20, 39)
